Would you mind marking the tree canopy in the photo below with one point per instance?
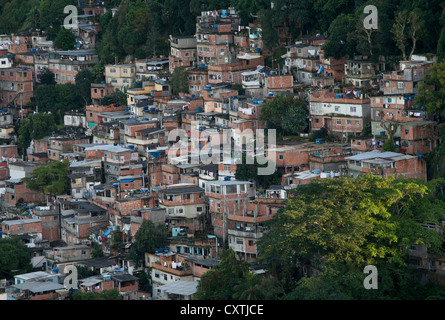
(340, 225)
(148, 238)
(15, 258)
(35, 126)
(51, 179)
(179, 80)
(286, 113)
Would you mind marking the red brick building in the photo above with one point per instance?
(16, 86)
(345, 113)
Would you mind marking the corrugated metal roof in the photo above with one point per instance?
(374, 154)
(37, 286)
(180, 287)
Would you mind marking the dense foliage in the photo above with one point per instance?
(337, 227)
(140, 28)
(286, 113)
(15, 258)
(35, 126)
(148, 238)
(51, 179)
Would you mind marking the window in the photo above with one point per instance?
(337, 108)
(339, 121)
(400, 85)
(353, 109)
(281, 157)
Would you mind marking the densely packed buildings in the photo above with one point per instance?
(126, 167)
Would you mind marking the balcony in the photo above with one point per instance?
(245, 234)
(248, 218)
(179, 271)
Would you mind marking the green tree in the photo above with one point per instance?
(15, 258)
(98, 71)
(343, 224)
(388, 145)
(144, 282)
(341, 37)
(97, 251)
(112, 294)
(220, 282)
(248, 169)
(47, 77)
(58, 99)
(51, 16)
(431, 93)
(84, 272)
(286, 113)
(83, 81)
(35, 126)
(179, 80)
(118, 98)
(148, 238)
(51, 178)
(65, 39)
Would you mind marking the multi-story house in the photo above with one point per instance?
(184, 205)
(167, 267)
(345, 113)
(16, 189)
(130, 127)
(60, 147)
(120, 76)
(386, 164)
(331, 67)
(106, 133)
(231, 72)
(82, 179)
(361, 72)
(93, 113)
(50, 217)
(275, 83)
(22, 227)
(215, 37)
(66, 64)
(303, 60)
(198, 80)
(182, 52)
(151, 69)
(99, 91)
(78, 217)
(34, 58)
(419, 137)
(225, 199)
(407, 79)
(246, 227)
(395, 114)
(16, 86)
